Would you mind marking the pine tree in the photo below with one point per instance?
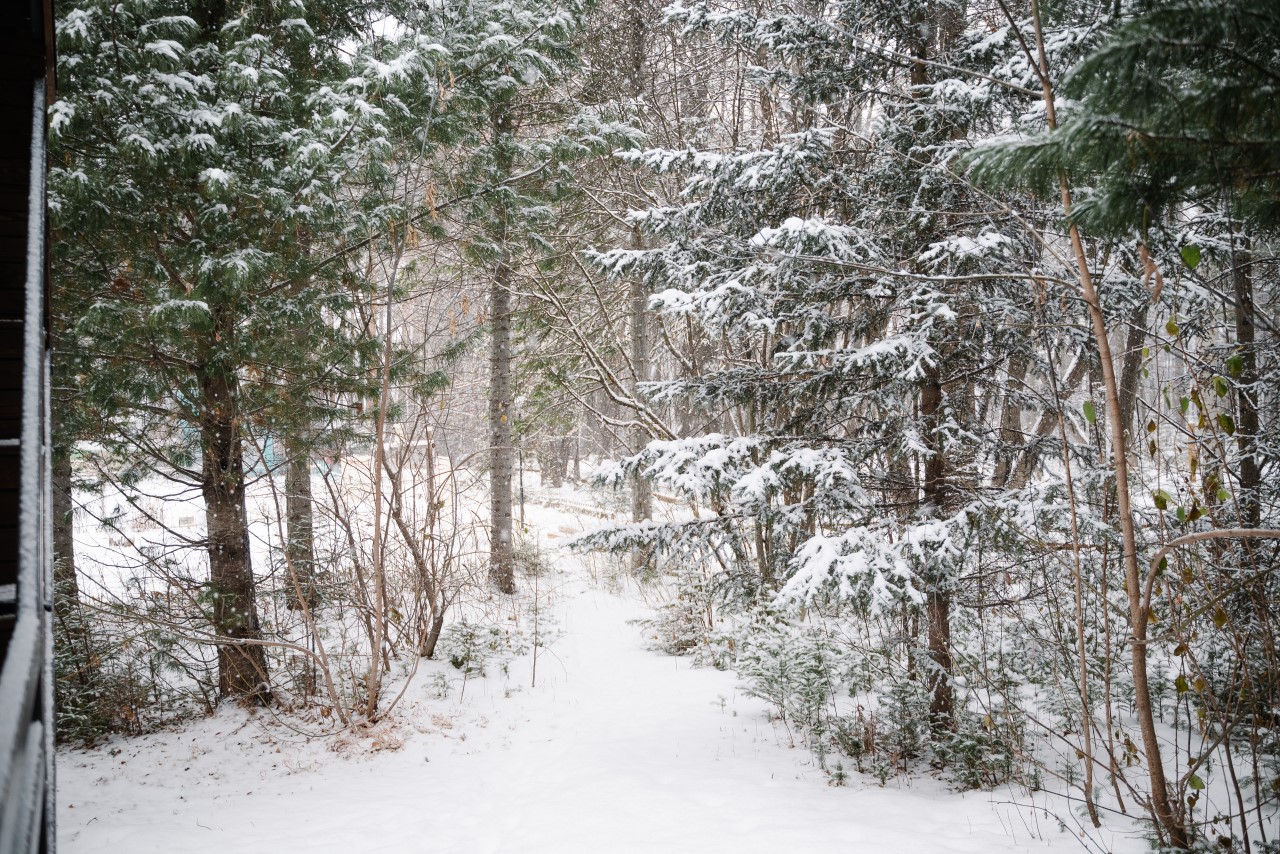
(199, 156)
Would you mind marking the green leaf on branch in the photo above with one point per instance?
(1194, 782)
(1191, 255)
(1161, 499)
(1221, 387)
(1090, 412)
(1227, 423)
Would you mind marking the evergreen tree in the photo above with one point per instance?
(199, 157)
(508, 161)
(1172, 107)
(865, 294)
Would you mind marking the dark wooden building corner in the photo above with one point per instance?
(26, 689)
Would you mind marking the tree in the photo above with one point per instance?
(1166, 116)
(199, 157)
(849, 272)
(502, 55)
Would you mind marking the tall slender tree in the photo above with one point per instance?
(506, 162)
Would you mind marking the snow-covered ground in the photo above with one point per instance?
(616, 749)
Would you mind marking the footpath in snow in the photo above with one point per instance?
(617, 749)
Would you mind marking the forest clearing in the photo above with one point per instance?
(614, 746)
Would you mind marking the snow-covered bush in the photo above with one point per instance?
(124, 672)
(468, 646)
(684, 622)
(794, 669)
(976, 756)
(471, 647)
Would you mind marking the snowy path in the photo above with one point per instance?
(617, 749)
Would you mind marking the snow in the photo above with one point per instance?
(299, 24)
(215, 176)
(858, 559)
(167, 48)
(959, 246)
(181, 305)
(616, 748)
(60, 115)
(204, 117)
(145, 145)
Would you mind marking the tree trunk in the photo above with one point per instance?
(242, 668)
(1138, 615)
(377, 556)
(299, 521)
(1247, 391)
(1010, 419)
(299, 518)
(553, 462)
(641, 492)
(937, 585)
(433, 635)
(638, 294)
(937, 592)
(71, 625)
(577, 455)
(501, 445)
(66, 587)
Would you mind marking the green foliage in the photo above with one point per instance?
(202, 161)
(468, 646)
(684, 623)
(975, 755)
(794, 669)
(471, 647)
(1175, 105)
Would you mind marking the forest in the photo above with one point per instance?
(901, 372)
